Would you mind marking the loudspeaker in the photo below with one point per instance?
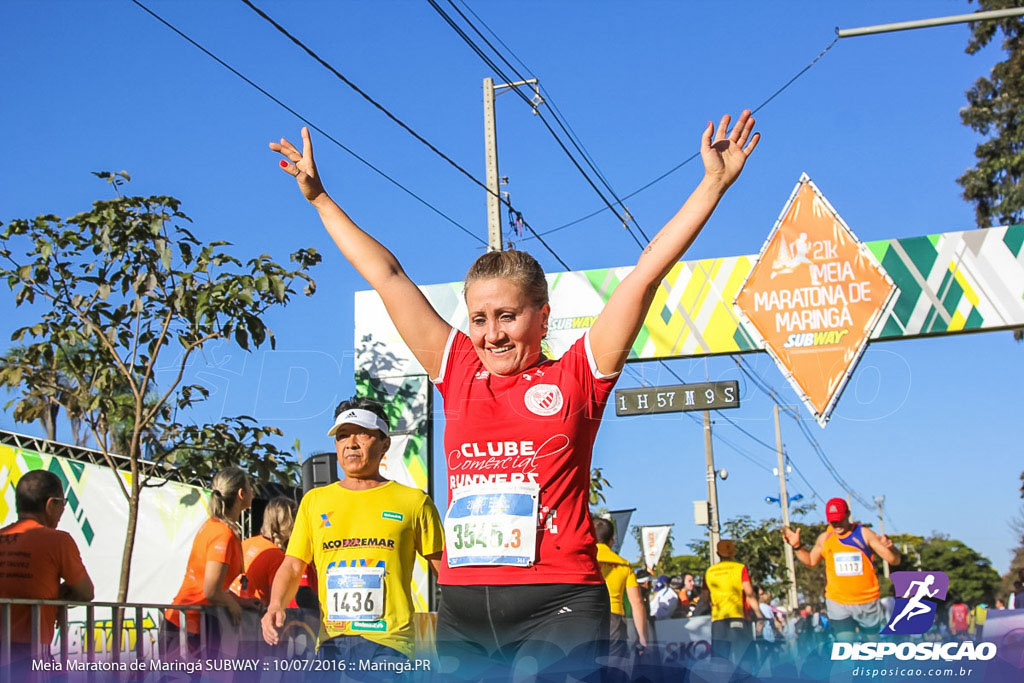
(319, 469)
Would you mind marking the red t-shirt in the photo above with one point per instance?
(215, 542)
(34, 559)
(959, 614)
(550, 413)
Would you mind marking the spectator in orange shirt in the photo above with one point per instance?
(39, 562)
(215, 561)
(263, 554)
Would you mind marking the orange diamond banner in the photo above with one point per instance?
(814, 295)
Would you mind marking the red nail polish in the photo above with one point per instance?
(284, 164)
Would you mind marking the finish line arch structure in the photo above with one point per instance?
(813, 298)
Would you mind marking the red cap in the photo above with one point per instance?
(836, 509)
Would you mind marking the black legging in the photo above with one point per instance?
(487, 631)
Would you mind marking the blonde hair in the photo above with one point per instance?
(226, 484)
(278, 521)
(517, 266)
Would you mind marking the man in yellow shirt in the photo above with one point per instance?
(732, 600)
(362, 534)
(621, 581)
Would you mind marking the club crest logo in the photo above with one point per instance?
(916, 593)
(543, 399)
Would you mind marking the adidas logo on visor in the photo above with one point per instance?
(360, 417)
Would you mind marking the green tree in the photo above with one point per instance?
(685, 564)
(39, 396)
(119, 284)
(1016, 562)
(971, 576)
(597, 486)
(995, 109)
(759, 546)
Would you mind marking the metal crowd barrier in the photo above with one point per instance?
(40, 651)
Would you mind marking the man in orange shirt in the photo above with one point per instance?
(39, 562)
(851, 586)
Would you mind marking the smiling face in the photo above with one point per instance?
(360, 451)
(506, 327)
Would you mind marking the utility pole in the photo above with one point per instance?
(494, 242)
(709, 461)
(784, 501)
(880, 502)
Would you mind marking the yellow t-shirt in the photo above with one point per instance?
(618, 576)
(375, 529)
(725, 583)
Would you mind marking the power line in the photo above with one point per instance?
(572, 138)
(363, 93)
(309, 123)
(769, 391)
(497, 70)
(714, 434)
(500, 72)
(739, 451)
(453, 163)
(521, 77)
(562, 120)
(694, 156)
(493, 66)
(404, 126)
(831, 468)
(796, 469)
(547, 96)
(767, 445)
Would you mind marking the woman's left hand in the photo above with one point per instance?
(724, 155)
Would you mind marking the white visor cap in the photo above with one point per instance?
(358, 416)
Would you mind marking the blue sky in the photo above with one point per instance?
(931, 424)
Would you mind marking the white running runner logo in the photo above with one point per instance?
(915, 607)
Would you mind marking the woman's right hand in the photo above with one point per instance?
(301, 165)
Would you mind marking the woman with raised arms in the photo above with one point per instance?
(520, 577)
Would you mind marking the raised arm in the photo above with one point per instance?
(812, 558)
(422, 329)
(616, 327)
